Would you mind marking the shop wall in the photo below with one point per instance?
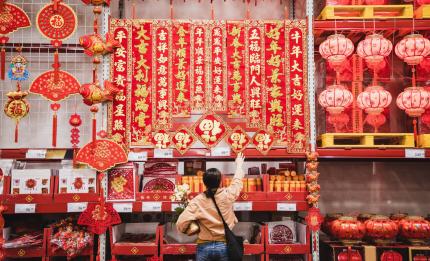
(375, 187)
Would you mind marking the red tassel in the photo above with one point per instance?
(94, 127)
(56, 66)
(3, 63)
(415, 132)
(16, 132)
(54, 130)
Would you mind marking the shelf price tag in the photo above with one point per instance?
(138, 156)
(221, 152)
(77, 207)
(25, 208)
(286, 207)
(163, 153)
(35, 154)
(415, 153)
(123, 207)
(151, 206)
(242, 206)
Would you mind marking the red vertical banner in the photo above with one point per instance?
(255, 83)
(181, 70)
(217, 94)
(141, 82)
(276, 100)
(236, 69)
(162, 72)
(199, 70)
(118, 124)
(297, 105)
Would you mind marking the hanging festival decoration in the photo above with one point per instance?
(96, 2)
(12, 19)
(99, 217)
(336, 98)
(92, 93)
(183, 139)
(75, 121)
(412, 49)
(17, 107)
(374, 99)
(161, 139)
(210, 129)
(312, 179)
(263, 141)
(57, 22)
(238, 139)
(95, 46)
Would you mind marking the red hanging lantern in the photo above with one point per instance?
(373, 101)
(335, 99)
(373, 49)
(413, 48)
(391, 255)
(414, 101)
(336, 50)
(415, 229)
(349, 255)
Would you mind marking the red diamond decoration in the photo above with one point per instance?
(238, 139)
(263, 141)
(210, 129)
(183, 140)
(161, 139)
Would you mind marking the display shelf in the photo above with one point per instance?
(74, 197)
(371, 153)
(8, 197)
(133, 249)
(28, 252)
(51, 253)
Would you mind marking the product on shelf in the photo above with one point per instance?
(121, 183)
(282, 232)
(348, 229)
(250, 183)
(249, 231)
(381, 229)
(21, 240)
(349, 255)
(77, 181)
(415, 229)
(158, 184)
(134, 233)
(69, 237)
(31, 181)
(160, 167)
(287, 181)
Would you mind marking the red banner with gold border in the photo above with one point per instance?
(297, 102)
(119, 126)
(181, 69)
(199, 71)
(162, 74)
(255, 84)
(236, 69)
(276, 96)
(217, 94)
(141, 81)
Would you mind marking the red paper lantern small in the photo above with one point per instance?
(374, 49)
(336, 49)
(381, 229)
(348, 229)
(335, 98)
(373, 101)
(349, 255)
(413, 48)
(391, 255)
(414, 101)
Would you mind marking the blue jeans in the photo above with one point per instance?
(212, 251)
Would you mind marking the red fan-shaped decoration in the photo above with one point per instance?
(56, 21)
(99, 217)
(102, 155)
(54, 89)
(12, 18)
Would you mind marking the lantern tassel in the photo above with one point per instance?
(16, 131)
(94, 134)
(3, 63)
(54, 130)
(415, 131)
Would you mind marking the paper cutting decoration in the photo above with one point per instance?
(263, 141)
(161, 139)
(121, 183)
(183, 140)
(210, 129)
(238, 139)
(57, 22)
(12, 19)
(98, 217)
(102, 155)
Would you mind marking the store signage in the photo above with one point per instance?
(286, 207)
(123, 207)
(151, 206)
(25, 208)
(415, 153)
(77, 207)
(242, 206)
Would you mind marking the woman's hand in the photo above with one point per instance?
(239, 160)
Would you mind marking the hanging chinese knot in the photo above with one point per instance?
(12, 19)
(16, 106)
(57, 22)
